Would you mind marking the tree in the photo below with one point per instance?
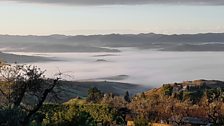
(127, 97)
(94, 95)
(24, 88)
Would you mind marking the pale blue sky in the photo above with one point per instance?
(44, 19)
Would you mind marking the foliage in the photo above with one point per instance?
(101, 113)
(76, 101)
(69, 116)
(193, 96)
(114, 101)
(127, 97)
(215, 94)
(143, 95)
(168, 89)
(94, 95)
(86, 114)
(141, 121)
(179, 95)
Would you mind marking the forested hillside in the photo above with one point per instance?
(28, 98)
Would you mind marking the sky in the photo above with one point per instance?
(87, 17)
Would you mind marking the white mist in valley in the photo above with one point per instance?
(147, 67)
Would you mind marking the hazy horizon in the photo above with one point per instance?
(113, 33)
(32, 17)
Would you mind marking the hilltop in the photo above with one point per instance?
(180, 103)
(192, 88)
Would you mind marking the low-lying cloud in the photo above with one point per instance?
(125, 2)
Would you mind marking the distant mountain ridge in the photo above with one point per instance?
(200, 37)
(98, 43)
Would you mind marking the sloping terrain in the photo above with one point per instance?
(176, 103)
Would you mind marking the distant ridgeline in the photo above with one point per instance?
(98, 43)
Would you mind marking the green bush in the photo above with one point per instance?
(67, 115)
(78, 115)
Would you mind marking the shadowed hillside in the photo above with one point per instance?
(12, 58)
(72, 89)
